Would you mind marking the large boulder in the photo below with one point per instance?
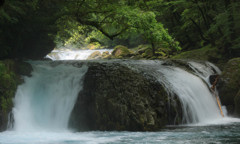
(229, 86)
(115, 97)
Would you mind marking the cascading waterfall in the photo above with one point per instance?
(46, 99)
(198, 103)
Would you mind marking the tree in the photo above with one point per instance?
(115, 18)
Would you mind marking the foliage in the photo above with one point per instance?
(35, 25)
(27, 30)
(119, 19)
(198, 23)
(7, 88)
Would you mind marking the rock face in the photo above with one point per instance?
(115, 97)
(10, 72)
(95, 55)
(229, 86)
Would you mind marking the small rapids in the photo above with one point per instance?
(70, 54)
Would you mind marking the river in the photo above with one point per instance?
(41, 109)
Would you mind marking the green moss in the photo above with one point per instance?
(8, 85)
(120, 51)
(207, 53)
(229, 88)
(237, 104)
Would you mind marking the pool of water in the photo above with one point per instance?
(215, 134)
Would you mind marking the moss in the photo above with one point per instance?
(237, 104)
(8, 86)
(230, 84)
(207, 53)
(120, 51)
(10, 72)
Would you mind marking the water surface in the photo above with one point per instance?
(215, 134)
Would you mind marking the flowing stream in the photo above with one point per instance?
(70, 54)
(43, 104)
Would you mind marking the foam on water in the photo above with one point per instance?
(181, 135)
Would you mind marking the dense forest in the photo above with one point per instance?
(32, 28)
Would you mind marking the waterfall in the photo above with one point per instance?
(198, 103)
(190, 84)
(46, 99)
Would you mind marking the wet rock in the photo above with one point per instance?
(95, 55)
(237, 104)
(229, 85)
(121, 51)
(105, 54)
(213, 78)
(115, 97)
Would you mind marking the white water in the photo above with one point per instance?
(198, 103)
(71, 54)
(44, 102)
(204, 70)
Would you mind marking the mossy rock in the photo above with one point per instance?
(94, 45)
(230, 83)
(141, 49)
(8, 86)
(105, 54)
(207, 53)
(237, 104)
(121, 52)
(116, 97)
(95, 55)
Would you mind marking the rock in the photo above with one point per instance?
(229, 85)
(237, 104)
(95, 55)
(105, 54)
(121, 51)
(207, 53)
(93, 45)
(10, 78)
(213, 78)
(115, 97)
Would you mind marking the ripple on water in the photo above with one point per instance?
(216, 134)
